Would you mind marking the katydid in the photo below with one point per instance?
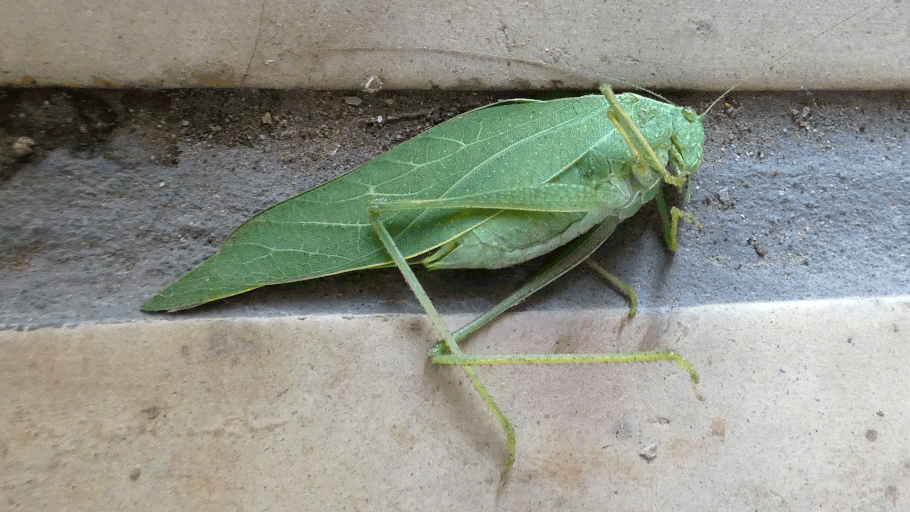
(490, 188)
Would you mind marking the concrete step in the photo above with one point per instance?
(325, 44)
(805, 404)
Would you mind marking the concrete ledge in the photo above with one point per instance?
(506, 45)
(806, 407)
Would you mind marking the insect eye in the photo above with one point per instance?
(689, 114)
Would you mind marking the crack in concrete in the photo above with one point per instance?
(249, 63)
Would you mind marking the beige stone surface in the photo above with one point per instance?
(325, 44)
(805, 408)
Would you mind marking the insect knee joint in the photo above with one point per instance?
(376, 206)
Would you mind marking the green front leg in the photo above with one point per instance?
(670, 220)
(644, 153)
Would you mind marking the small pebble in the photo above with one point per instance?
(372, 84)
(352, 100)
(23, 146)
(649, 452)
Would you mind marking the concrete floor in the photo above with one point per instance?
(792, 302)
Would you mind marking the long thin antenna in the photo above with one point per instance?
(579, 73)
(486, 56)
(787, 51)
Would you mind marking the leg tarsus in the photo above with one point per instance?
(618, 285)
(670, 220)
(676, 214)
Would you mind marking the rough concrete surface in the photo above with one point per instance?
(319, 394)
(325, 44)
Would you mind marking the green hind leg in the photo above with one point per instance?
(448, 352)
(577, 252)
(449, 340)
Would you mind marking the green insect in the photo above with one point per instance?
(490, 188)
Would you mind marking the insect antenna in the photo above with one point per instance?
(577, 73)
(787, 51)
(569, 72)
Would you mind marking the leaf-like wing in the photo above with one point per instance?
(326, 231)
